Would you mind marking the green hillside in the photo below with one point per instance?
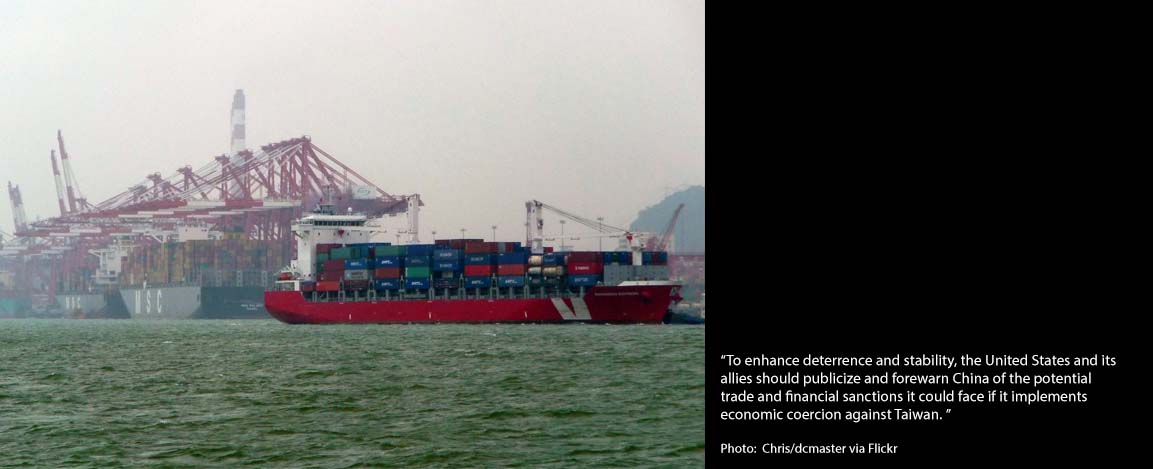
(690, 229)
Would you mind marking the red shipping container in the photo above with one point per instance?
(332, 276)
(334, 265)
(307, 287)
(387, 272)
(584, 256)
(582, 268)
(327, 286)
(477, 247)
(477, 270)
(325, 248)
(549, 249)
(510, 269)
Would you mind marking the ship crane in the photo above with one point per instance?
(534, 225)
(662, 243)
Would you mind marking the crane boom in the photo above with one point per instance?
(534, 224)
(663, 242)
(69, 179)
(59, 185)
(19, 221)
(601, 227)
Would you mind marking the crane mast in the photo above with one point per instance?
(414, 218)
(534, 226)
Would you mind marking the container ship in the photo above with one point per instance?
(213, 278)
(340, 276)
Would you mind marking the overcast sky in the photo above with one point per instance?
(593, 106)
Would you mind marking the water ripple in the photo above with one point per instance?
(263, 394)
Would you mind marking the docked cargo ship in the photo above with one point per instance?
(195, 302)
(340, 276)
(105, 303)
(214, 277)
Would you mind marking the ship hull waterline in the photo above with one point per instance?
(622, 304)
(194, 302)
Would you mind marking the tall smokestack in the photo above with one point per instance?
(235, 187)
(238, 122)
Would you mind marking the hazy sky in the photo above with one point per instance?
(593, 106)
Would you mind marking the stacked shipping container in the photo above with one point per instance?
(225, 262)
(460, 263)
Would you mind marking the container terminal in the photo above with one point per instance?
(201, 243)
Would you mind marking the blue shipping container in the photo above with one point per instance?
(416, 283)
(510, 281)
(446, 266)
(511, 258)
(445, 283)
(477, 259)
(583, 280)
(478, 282)
(389, 261)
(388, 284)
(355, 264)
(446, 254)
(420, 249)
(552, 259)
(417, 261)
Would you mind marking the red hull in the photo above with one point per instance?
(629, 304)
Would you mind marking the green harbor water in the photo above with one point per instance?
(118, 393)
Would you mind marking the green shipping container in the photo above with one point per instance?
(321, 257)
(386, 251)
(417, 272)
(340, 253)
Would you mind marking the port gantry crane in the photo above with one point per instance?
(662, 243)
(19, 220)
(77, 203)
